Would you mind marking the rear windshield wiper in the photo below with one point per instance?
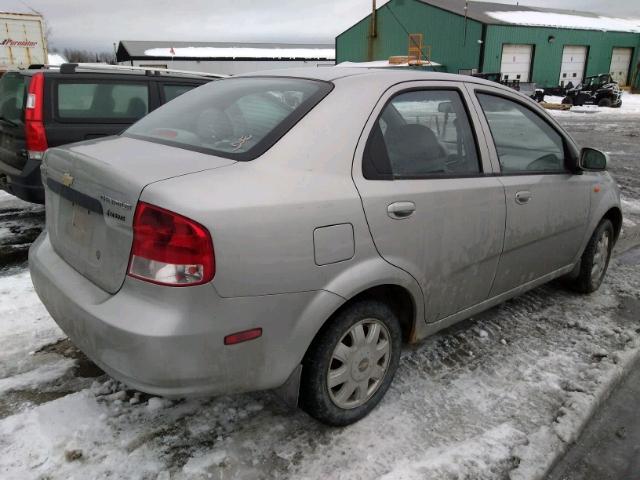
(10, 122)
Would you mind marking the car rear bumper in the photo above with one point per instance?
(170, 341)
(26, 184)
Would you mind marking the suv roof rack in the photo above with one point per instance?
(72, 67)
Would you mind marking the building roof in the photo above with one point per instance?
(508, 14)
(134, 49)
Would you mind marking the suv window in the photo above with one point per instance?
(523, 140)
(422, 134)
(102, 100)
(12, 90)
(172, 91)
(238, 118)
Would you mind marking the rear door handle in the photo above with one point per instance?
(400, 210)
(523, 197)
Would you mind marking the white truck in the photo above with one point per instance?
(22, 41)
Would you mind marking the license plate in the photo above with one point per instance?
(81, 225)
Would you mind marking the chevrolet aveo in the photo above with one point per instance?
(293, 229)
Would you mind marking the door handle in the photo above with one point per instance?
(400, 210)
(523, 197)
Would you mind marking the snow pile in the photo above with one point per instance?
(56, 59)
(243, 52)
(630, 106)
(562, 20)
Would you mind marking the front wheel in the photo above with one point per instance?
(351, 363)
(595, 259)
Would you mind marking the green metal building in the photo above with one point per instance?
(549, 47)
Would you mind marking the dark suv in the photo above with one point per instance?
(47, 107)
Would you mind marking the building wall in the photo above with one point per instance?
(227, 67)
(548, 56)
(443, 30)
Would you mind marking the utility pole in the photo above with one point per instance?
(373, 29)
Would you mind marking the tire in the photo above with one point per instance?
(605, 102)
(617, 105)
(335, 406)
(595, 260)
(567, 101)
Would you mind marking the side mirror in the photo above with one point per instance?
(445, 107)
(593, 160)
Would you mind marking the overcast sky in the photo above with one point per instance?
(97, 24)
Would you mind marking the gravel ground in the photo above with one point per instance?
(495, 397)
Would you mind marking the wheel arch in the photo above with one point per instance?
(614, 215)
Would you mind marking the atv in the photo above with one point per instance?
(599, 90)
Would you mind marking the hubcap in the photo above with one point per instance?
(359, 363)
(600, 257)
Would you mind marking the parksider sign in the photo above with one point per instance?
(22, 41)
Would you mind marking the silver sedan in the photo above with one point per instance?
(291, 230)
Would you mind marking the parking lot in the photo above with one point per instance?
(497, 396)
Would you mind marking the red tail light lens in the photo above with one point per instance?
(170, 249)
(35, 135)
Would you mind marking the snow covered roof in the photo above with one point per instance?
(129, 49)
(509, 14)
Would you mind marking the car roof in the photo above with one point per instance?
(392, 75)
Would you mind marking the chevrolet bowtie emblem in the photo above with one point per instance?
(67, 180)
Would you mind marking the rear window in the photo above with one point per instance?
(237, 118)
(102, 101)
(12, 92)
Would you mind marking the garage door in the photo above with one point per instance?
(574, 61)
(516, 62)
(620, 61)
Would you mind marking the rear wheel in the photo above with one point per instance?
(604, 102)
(595, 259)
(351, 363)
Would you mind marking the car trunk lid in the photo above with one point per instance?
(92, 189)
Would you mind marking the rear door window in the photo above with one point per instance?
(422, 134)
(102, 101)
(238, 118)
(12, 93)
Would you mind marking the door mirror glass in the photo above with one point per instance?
(592, 159)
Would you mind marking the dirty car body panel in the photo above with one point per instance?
(301, 229)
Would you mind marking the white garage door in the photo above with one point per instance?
(516, 62)
(574, 59)
(620, 61)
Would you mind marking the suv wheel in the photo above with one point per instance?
(351, 363)
(595, 259)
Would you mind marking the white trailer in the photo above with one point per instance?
(22, 40)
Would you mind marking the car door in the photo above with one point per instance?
(432, 203)
(547, 203)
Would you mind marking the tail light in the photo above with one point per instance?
(34, 132)
(169, 249)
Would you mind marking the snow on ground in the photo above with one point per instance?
(630, 106)
(493, 396)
